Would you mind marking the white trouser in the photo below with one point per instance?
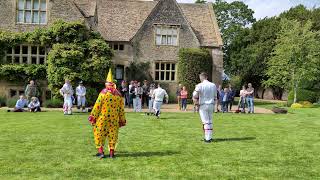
(67, 105)
(157, 106)
(206, 115)
(137, 104)
(81, 101)
(151, 105)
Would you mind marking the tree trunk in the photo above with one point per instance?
(295, 92)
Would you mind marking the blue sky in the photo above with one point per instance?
(264, 8)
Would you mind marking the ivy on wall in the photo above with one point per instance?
(76, 53)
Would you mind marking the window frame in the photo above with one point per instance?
(32, 11)
(165, 71)
(10, 55)
(166, 27)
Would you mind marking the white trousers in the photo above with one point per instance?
(151, 105)
(157, 106)
(137, 104)
(81, 100)
(206, 115)
(67, 105)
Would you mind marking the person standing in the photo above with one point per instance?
(232, 94)
(34, 105)
(159, 94)
(151, 99)
(184, 98)
(145, 96)
(250, 95)
(204, 96)
(131, 93)
(138, 98)
(106, 117)
(178, 94)
(242, 100)
(224, 98)
(124, 92)
(218, 99)
(67, 92)
(31, 90)
(81, 97)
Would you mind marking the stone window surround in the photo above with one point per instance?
(26, 58)
(118, 45)
(177, 26)
(32, 12)
(171, 71)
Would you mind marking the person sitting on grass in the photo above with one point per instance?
(21, 103)
(34, 105)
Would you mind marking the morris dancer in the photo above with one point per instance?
(67, 92)
(158, 96)
(81, 97)
(205, 95)
(107, 117)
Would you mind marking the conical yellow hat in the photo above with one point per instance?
(109, 76)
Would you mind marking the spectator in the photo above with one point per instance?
(178, 93)
(184, 97)
(250, 95)
(231, 97)
(145, 96)
(31, 90)
(224, 97)
(131, 93)
(218, 99)
(125, 92)
(242, 100)
(137, 100)
(151, 99)
(34, 105)
(20, 104)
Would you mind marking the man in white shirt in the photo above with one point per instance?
(81, 96)
(67, 92)
(158, 95)
(205, 95)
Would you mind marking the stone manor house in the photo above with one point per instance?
(141, 31)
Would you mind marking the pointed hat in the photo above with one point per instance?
(109, 76)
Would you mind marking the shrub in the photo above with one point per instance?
(306, 104)
(296, 106)
(303, 95)
(11, 103)
(91, 96)
(53, 103)
(2, 101)
(193, 61)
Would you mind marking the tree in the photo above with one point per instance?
(295, 57)
(201, 1)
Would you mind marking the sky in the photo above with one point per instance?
(269, 8)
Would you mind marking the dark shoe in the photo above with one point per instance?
(207, 141)
(8, 110)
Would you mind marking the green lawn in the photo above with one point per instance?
(49, 145)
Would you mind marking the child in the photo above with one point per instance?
(67, 92)
(21, 103)
(34, 105)
(224, 98)
(184, 96)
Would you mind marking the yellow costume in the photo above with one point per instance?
(107, 117)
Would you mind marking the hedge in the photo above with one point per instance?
(53, 103)
(303, 95)
(193, 61)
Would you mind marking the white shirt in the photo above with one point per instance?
(159, 94)
(206, 91)
(66, 91)
(80, 91)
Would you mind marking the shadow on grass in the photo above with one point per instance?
(146, 154)
(233, 139)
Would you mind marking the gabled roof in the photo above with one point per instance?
(120, 20)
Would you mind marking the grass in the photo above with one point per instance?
(49, 145)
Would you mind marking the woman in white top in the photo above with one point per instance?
(242, 100)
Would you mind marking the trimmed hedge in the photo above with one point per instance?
(11, 103)
(53, 103)
(303, 95)
(2, 101)
(193, 61)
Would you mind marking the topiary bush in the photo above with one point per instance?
(53, 103)
(303, 95)
(193, 61)
(296, 106)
